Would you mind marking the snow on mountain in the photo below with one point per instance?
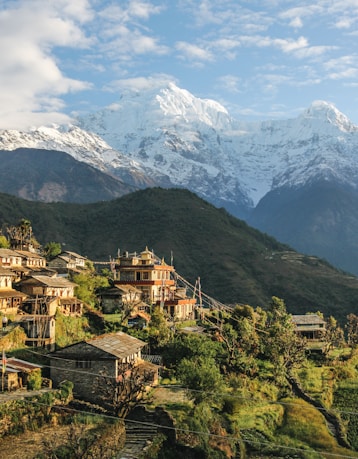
(198, 145)
(83, 146)
(176, 139)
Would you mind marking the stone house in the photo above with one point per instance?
(47, 295)
(52, 293)
(40, 305)
(31, 261)
(68, 261)
(86, 362)
(12, 260)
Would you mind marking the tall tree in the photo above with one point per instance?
(160, 332)
(282, 344)
(334, 335)
(352, 330)
(21, 235)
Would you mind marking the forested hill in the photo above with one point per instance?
(235, 263)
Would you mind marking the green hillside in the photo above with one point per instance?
(235, 263)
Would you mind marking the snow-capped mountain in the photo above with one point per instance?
(197, 145)
(168, 137)
(83, 146)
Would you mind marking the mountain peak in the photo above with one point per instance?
(326, 111)
(176, 102)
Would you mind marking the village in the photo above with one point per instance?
(33, 290)
(116, 368)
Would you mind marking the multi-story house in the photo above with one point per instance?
(155, 279)
(12, 260)
(47, 295)
(48, 286)
(31, 261)
(10, 299)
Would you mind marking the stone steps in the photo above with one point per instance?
(139, 435)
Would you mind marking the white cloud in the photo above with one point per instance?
(230, 83)
(345, 23)
(122, 36)
(295, 15)
(345, 74)
(30, 76)
(193, 53)
(155, 81)
(287, 45)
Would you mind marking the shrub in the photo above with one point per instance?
(34, 380)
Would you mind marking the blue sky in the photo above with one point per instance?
(262, 59)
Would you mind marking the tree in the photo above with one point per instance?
(4, 242)
(189, 345)
(51, 250)
(282, 344)
(352, 330)
(88, 282)
(334, 335)
(21, 235)
(159, 331)
(202, 377)
(121, 394)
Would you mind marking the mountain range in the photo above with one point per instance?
(235, 262)
(295, 179)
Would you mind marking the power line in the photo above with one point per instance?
(195, 432)
(179, 387)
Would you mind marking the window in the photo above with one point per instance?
(83, 364)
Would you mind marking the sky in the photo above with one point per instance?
(261, 59)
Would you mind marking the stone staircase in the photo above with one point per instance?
(139, 434)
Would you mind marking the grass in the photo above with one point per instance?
(113, 318)
(306, 424)
(264, 417)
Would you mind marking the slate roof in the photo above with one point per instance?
(118, 344)
(73, 254)
(108, 346)
(8, 253)
(54, 281)
(11, 293)
(28, 254)
(6, 272)
(307, 319)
